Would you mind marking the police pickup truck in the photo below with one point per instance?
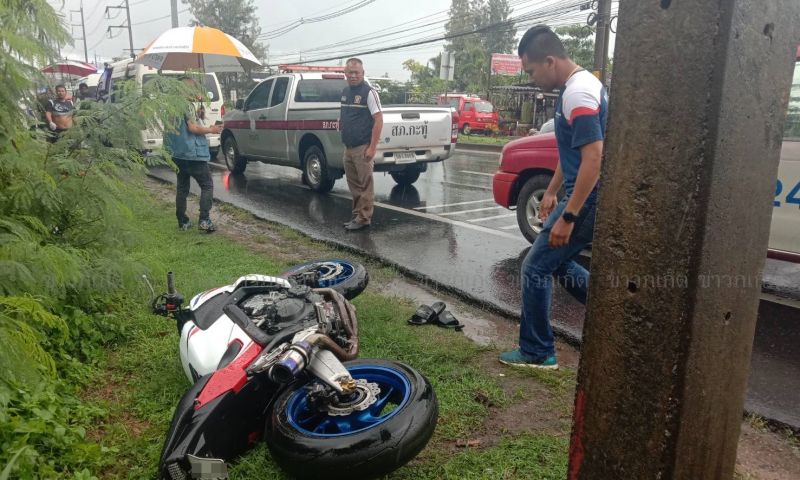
(293, 120)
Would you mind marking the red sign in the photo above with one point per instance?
(504, 64)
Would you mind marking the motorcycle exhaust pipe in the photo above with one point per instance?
(291, 363)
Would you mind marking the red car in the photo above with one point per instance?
(474, 114)
(526, 167)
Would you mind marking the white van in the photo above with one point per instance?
(152, 139)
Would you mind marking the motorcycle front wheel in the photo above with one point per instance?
(386, 423)
(346, 277)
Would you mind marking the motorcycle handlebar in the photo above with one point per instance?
(171, 283)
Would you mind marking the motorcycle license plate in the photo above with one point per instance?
(405, 157)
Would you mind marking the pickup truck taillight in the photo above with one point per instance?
(222, 111)
(454, 131)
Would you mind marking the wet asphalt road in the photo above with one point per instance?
(447, 230)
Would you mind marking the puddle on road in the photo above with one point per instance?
(479, 326)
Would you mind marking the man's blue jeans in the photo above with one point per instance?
(538, 269)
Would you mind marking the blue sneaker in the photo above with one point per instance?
(187, 225)
(516, 358)
(207, 226)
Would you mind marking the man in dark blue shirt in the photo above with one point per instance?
(580, 122)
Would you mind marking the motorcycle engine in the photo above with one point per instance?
(279, 309)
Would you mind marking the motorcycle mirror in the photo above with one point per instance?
(152, 292)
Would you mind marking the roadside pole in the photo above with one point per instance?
(601, 39)
(699, 99)
(174, 13)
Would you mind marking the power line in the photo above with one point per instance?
(286, 22)
(511, 24)
(405, 28)
(160, 18)
(302, 21)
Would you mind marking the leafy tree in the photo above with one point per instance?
(425, 84)
(579, 42)
(473, 52)
(239, 19)
(64, 238)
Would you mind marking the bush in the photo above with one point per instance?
(64, 238)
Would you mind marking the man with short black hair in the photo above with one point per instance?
(580, 124)
(360, 123)
(83, 91)
(58, 113)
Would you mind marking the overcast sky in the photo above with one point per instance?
(396, 19)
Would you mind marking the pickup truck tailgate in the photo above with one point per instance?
(415, 127)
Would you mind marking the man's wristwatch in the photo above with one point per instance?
(569, 217)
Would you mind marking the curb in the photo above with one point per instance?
(479, 147)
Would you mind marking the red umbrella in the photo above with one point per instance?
(72, 68)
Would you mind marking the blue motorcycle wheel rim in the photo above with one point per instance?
(395, 391)
(326, 269)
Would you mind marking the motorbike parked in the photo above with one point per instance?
(276, 358)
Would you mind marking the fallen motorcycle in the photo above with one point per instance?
(276, 357)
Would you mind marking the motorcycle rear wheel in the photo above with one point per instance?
(309, 444)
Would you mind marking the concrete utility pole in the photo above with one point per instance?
(700, 95)
(601, 39)
(83, 30)
(174, 7)
(129, 26)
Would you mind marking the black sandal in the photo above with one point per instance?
(427, 314)
(448, 320)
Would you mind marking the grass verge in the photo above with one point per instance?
(143, 379)
(483, 139)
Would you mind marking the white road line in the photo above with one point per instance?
(492, 218)
(466, 185)
(469, 211)
(478, 173)
(510, 227)
(437, 218)
(453, 204)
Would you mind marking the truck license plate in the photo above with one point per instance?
(405, 157)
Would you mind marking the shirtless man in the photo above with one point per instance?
(59, 111)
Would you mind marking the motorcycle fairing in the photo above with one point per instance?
(221, 416)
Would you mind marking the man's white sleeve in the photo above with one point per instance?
(374, 102)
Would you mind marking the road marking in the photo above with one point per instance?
(466, 185)
(492, 218)
(437, 218)
(469, 211)
(510, 227)
(478, 173)
(453, 204)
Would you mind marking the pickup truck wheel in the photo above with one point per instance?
(315, 170)
(234, 161)
(405, 177)
(466, 130)
(528, 205)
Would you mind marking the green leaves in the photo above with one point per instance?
(65, 238)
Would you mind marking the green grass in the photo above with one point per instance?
(143, 379)
(483, 140)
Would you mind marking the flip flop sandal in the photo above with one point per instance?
(427, 314)
(448, 320)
